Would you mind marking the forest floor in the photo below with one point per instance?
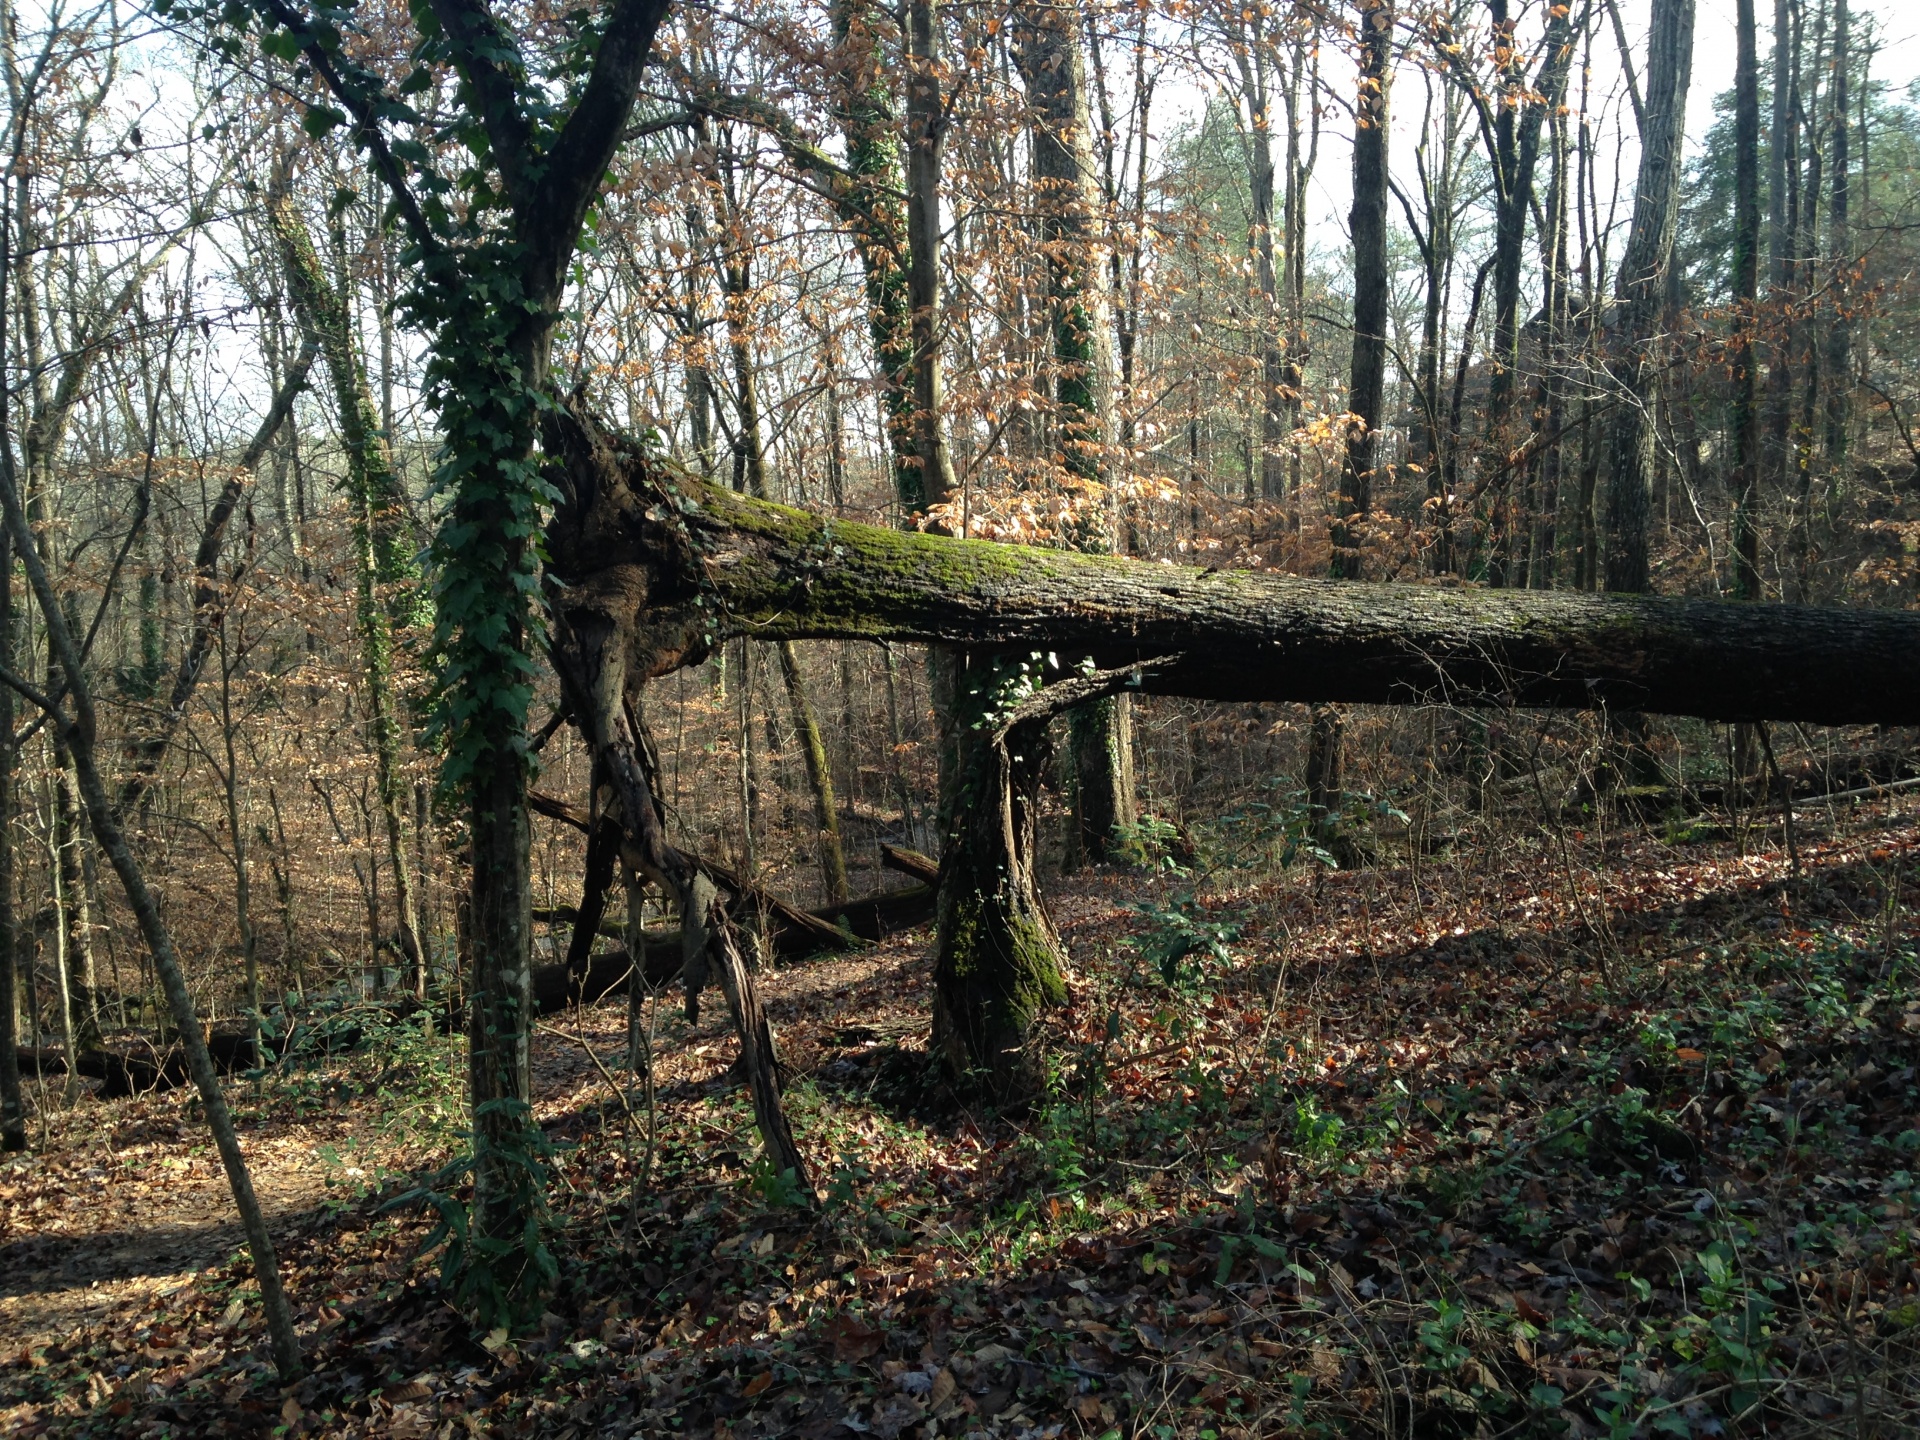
(1575, 1134)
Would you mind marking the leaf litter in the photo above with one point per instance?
(1447, 1152)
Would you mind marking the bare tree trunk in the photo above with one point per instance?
(1745, 479)
(1840, 326)
(13, 1115)
(927, 122)
(1366, 381)
(826, 810)
(78, 732)
(1783, 179)
(1367, 222)
(236, 833)
(1641, 295)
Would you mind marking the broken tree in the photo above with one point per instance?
(651, 568)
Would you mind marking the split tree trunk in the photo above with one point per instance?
(997, 961)
(603, 663)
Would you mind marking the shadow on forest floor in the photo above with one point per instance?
(1489, 1157)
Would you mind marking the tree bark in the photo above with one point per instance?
(382, 542)
(1746, 290)
(1641, 294)
(13, 1114)
(997, 963)
(1366, 380)
(1066, 195)
(926, 146)
(1783, 171)
(1840, 327)
(1367, 377)
(602, 675)
(716, 565)
(813, 750)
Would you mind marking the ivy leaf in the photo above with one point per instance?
(320, 119)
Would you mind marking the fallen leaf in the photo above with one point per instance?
(852, 1339)
(759, 1385)
(1530, 1312)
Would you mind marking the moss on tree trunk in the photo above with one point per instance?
(999, 958)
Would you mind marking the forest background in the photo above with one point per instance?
(1135, 334)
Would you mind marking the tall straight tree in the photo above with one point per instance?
(387, 578)
(491, 240)
(1840, 328)
(13, 1115)
(1367, 368)
(1746, 291)
(927, 123)
(1783, 181)
(1067, 198)
(1640, 294)
(1367, 223)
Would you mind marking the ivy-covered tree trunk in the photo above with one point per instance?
(997, 962)
(1052, 65)
(386, 572)
(870, 203)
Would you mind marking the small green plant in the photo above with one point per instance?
(1181, 939)
(1318, 1138)
(1287, 829)
(777, 1189)
(1154, 844)
(1737, 1339)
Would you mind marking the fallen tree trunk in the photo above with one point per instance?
(651, 568)
(681, 566)
(873, 917)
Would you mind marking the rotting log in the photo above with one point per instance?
(684, 566)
